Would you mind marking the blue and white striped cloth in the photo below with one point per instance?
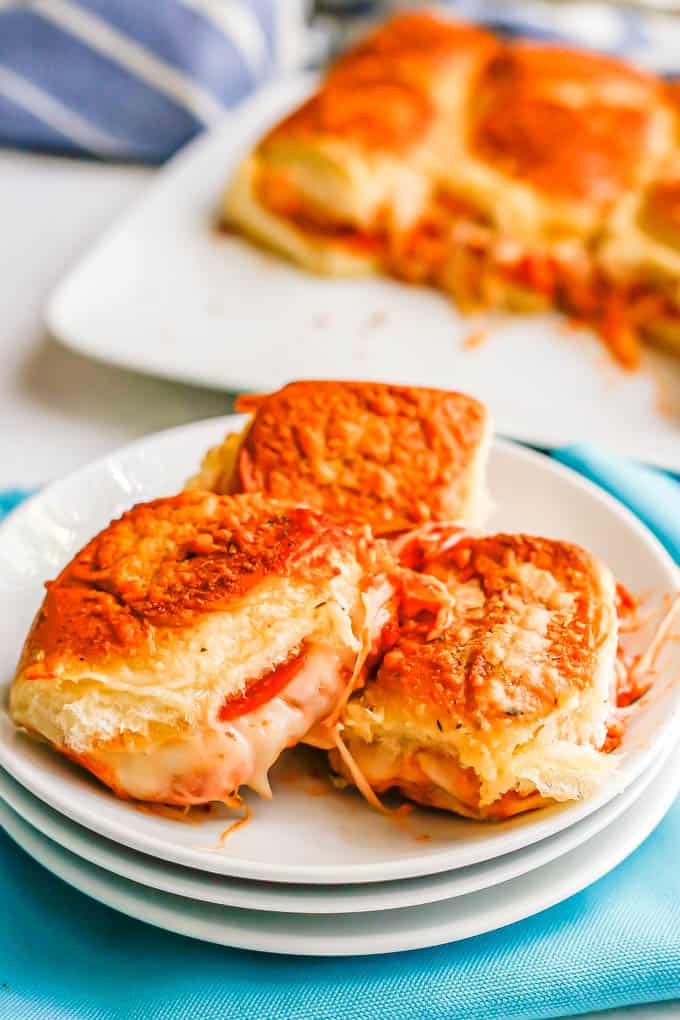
(136, 79)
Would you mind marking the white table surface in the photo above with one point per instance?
(58, 410)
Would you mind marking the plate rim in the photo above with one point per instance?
(541, 896)
(387, 871)
(306, 899)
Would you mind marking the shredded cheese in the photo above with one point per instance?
(235, 802)
(646, 662)
(428, 593)
(376, 616)
(360, 781)
(635, 673)
(417, 547)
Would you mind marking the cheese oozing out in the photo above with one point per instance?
(194, 639)
(163, 734)
(220, 757)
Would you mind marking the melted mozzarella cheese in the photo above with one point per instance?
(212, 762)
(286, 719)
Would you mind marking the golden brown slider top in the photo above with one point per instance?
(409, 42)
(526, 627)
(376, 115)
(389, 456)
(165, 563)
(571, 123)
(382, 93)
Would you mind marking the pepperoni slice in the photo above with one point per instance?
(262, 690)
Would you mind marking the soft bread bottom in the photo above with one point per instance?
(242, 208)
(436, 780)
(556, 760)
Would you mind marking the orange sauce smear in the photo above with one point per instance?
(195, 814)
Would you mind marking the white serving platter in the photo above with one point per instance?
(164, 292)
(531, 492)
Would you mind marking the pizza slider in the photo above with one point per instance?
(394, 457)
(337, 179)
(556, 141)
(508, 709)
(194, 639)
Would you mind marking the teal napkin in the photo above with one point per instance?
(653, 495)
(617, 943)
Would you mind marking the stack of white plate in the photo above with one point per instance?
(316, 871)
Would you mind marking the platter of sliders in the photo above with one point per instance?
(344, 653)
(440, 206)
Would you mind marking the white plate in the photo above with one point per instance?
(376, 932)
(163, 292)
(314, 899)
(532, 494)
